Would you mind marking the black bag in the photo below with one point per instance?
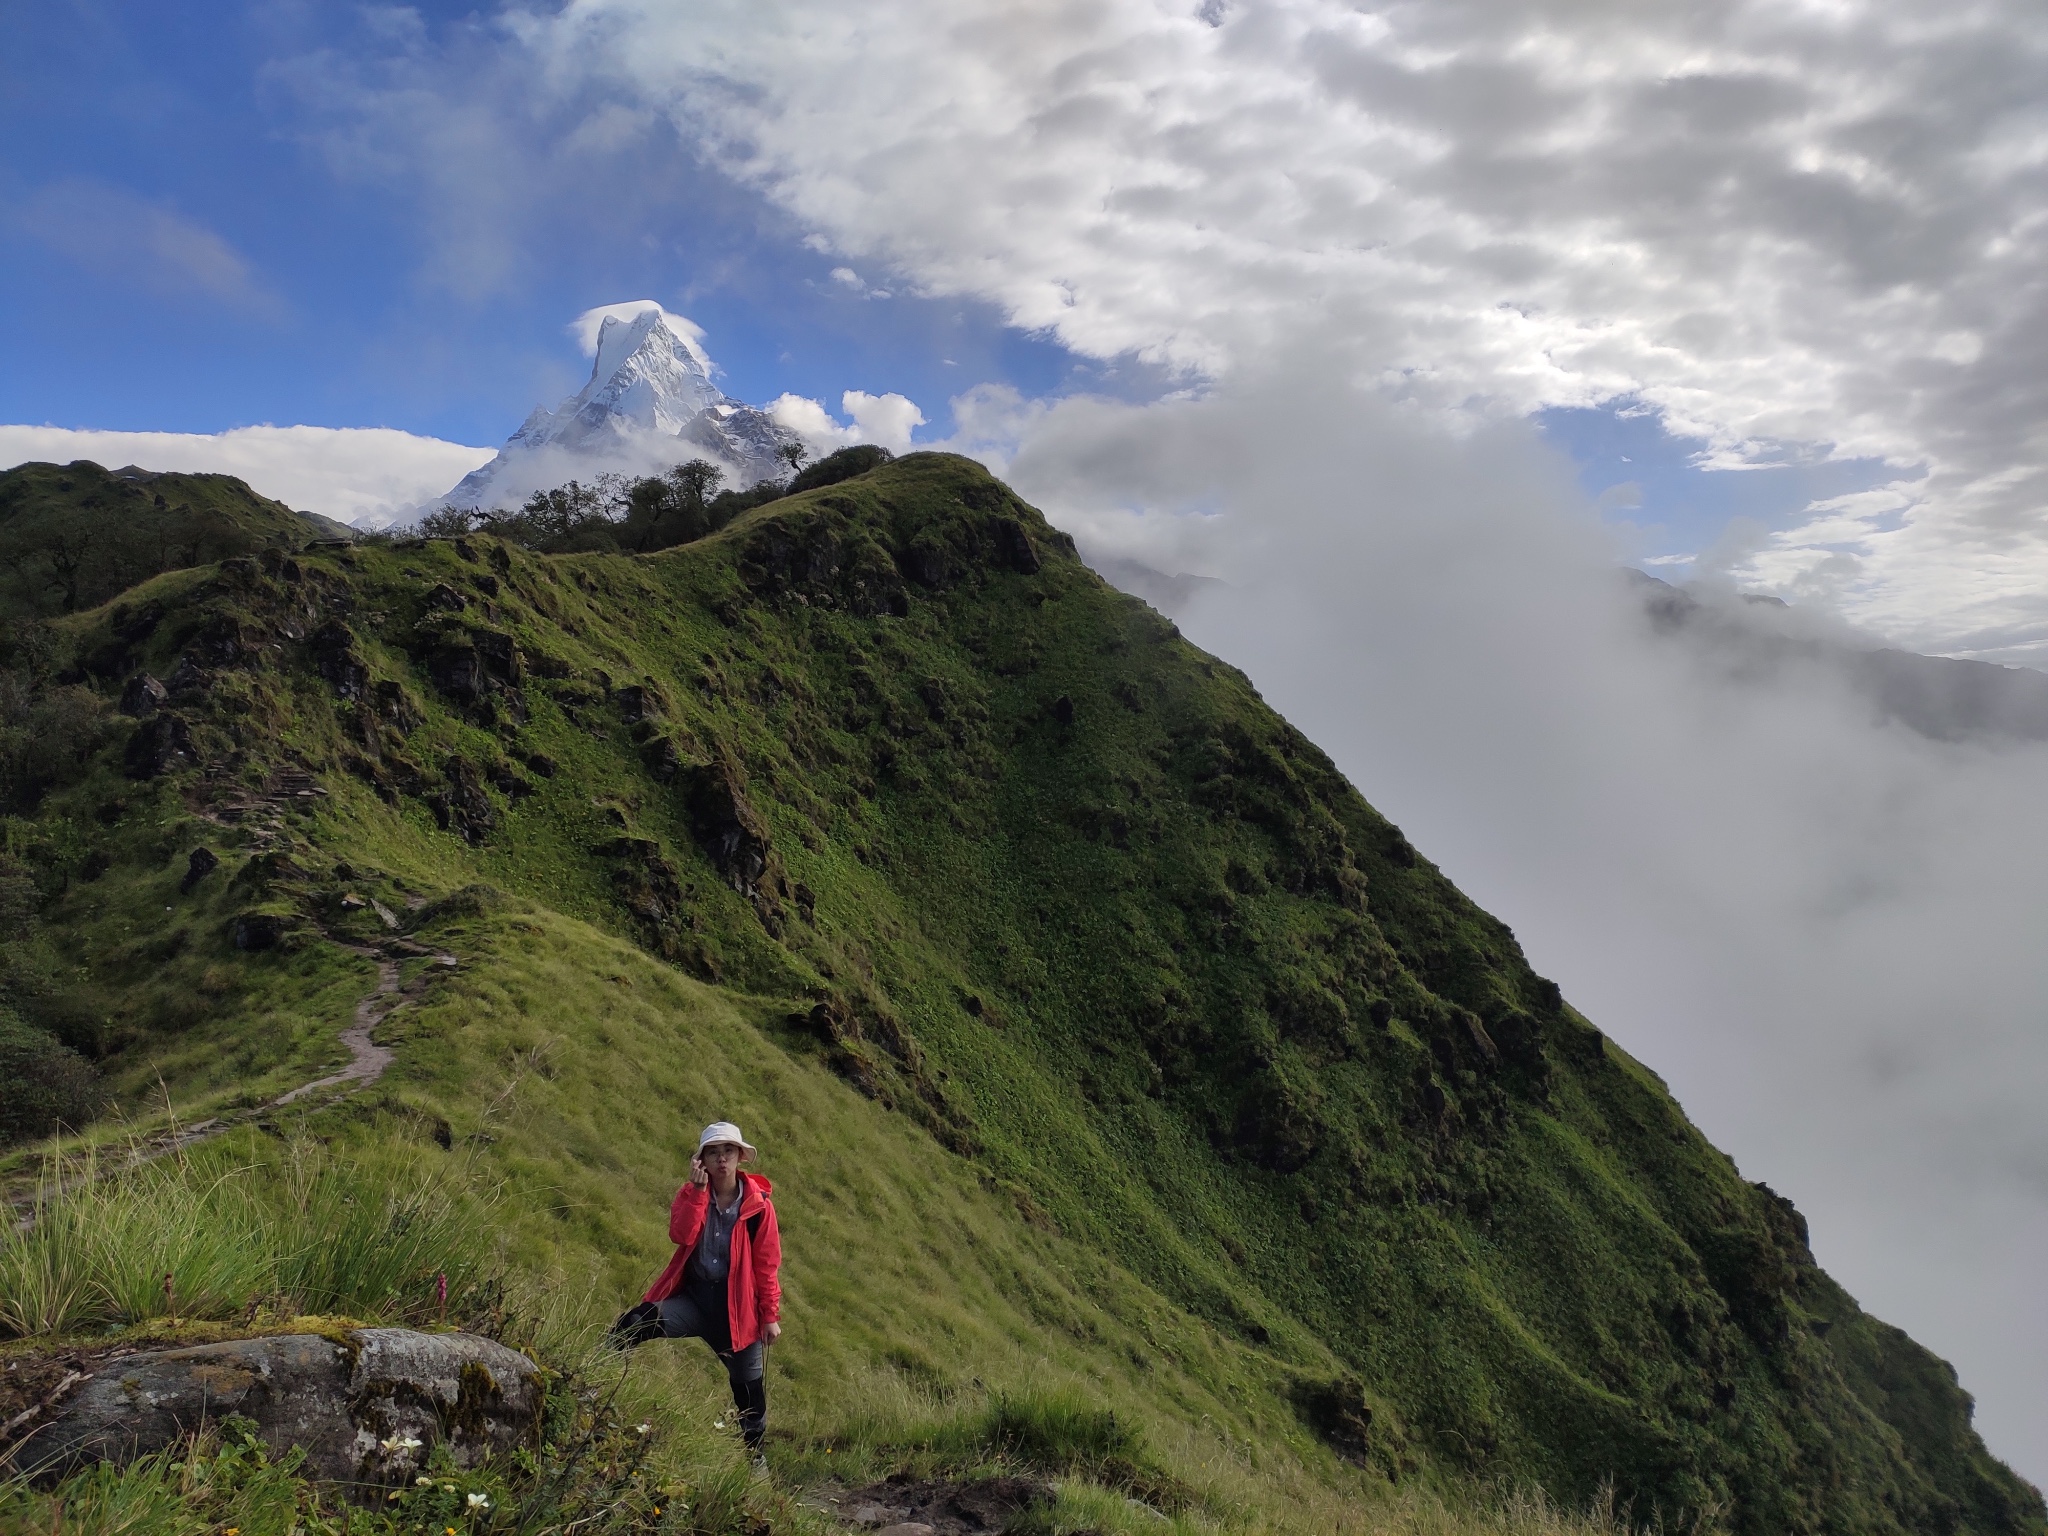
(635, 1326)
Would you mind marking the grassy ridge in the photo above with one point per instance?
(1072, 984)
(74, 535)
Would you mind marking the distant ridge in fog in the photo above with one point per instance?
(1941, 697)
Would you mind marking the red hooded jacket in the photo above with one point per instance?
(753, 1291)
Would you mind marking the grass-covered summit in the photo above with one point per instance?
(74, 535)
(1083, 1007)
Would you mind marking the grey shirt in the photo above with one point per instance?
(714, 1244)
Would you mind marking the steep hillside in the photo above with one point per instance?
(74, 535)
(1069, 986)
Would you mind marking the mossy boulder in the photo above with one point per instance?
(367, 1407)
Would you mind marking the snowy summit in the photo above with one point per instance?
(650, 404)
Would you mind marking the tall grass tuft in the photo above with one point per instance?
(210, 1237)
(348, 1243)
(1056, 1430)
(47, 1268)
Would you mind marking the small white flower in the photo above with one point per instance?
(478, 1501)
(641, 1429)
(720, 1424)
(399, 1443)
(447, 1487)
(423, 1482)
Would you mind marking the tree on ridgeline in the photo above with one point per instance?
(612, 514)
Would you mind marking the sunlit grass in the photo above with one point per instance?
(227, 1230)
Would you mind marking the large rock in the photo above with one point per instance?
(457, 671)
(258, 930)
(335, 658)
(142, 696)
(729, 828)
(367, 1409)
(160, 744)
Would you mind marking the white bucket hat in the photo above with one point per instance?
(725, 1130)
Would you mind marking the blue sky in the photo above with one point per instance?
(183, 248)
(117, 116)
(1648, 485)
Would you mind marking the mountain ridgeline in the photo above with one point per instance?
(74, 535)
(887, 768)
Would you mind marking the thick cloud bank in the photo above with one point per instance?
(1822, 930)
(365, 475)
(1798, 227)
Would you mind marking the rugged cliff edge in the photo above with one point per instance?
(889, 768)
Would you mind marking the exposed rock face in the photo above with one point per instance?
(908, 1506)
(220, 643)
(1015, 546)
(457, 671)
(160, 744)
(202, 863)
(336, 659)
(500, 656)
(258, 930)
(479, 669)
(143, 696)
(729, 828)
(352, 1406)
(463, 807)
(636, 703)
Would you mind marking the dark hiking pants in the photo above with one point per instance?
(698, 1311)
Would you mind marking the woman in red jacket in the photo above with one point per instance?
(723, 1284)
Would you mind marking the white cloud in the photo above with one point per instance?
(810, 421)
(365, 475)
(847, 278)
(586, 326)
(884, 419)
(1804, 224)
(887, 420)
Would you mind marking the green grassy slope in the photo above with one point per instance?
(74, 535)
(1086, 1010)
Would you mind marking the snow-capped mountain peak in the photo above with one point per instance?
(650, 403)
(647, 371)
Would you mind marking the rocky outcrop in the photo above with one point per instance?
(910, 1506)
(160, 744)
(142, 696)
(335, 658)
(203, 862)
(461, 806)
(258, 930)
(367, 1408)
(730, 830)
(456, 670)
